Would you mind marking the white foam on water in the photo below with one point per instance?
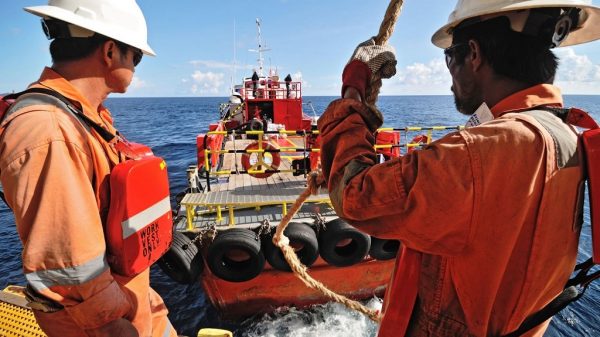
(330, 320)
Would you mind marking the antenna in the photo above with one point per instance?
(260, 49)
(234, 60)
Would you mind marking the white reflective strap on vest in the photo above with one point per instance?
(43, 279)
(140, 220)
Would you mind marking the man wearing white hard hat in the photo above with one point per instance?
(489, 216)
(55, 167)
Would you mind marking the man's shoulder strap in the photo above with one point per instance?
(30, 97)
(34, 96)
(553, 121)
(573, 116)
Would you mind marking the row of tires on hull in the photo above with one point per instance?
(239, 254)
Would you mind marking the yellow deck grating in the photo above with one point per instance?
(16, 319)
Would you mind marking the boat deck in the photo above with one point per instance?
(16, 318)
(248, 200)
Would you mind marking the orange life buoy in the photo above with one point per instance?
(261, 161)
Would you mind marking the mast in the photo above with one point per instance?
(260, 49)
(234, 61)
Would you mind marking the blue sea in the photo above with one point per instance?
(170, 125)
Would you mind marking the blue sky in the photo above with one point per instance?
(310, 39)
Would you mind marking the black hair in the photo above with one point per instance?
(517, 56)
(65, 49)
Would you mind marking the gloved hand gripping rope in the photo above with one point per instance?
(371, 61)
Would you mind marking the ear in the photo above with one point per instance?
(109, 54)
(476, 57)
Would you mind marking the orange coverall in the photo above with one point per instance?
(55, 176)
(490, 215)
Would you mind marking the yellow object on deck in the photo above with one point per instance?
(214, 333)
(16, 319)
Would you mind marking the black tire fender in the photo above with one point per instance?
(342, 245)
(304, 241)
(239, 241)
(383, 249)
(182, 262)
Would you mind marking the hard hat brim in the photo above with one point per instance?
(70, 17)
(589, 31)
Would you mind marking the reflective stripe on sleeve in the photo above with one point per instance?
(140, 220)
(43, 279)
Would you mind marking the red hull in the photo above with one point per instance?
(273, 289)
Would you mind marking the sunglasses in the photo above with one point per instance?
(137, 53)
(450, 52)
(137, 56)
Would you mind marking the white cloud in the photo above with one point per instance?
(297, 76)
(210, 64)
(207, 83)
(431, 78)
(577, 74)
(435, 72)
(137, 83)
(209, 77)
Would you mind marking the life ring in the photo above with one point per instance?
(182, 262)
(261, 161)
(235, 255)
(419, 139)
(343, 245)
(304, 241)
(382, 249)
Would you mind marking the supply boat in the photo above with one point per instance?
(252, 165)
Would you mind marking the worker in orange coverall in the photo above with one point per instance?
(489, 216)
(54, 170)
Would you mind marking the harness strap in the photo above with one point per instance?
(569, 295)
(105, 134)
(574, 290)
(573, 116)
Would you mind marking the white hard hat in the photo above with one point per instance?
(587, 30)
(121, 20)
